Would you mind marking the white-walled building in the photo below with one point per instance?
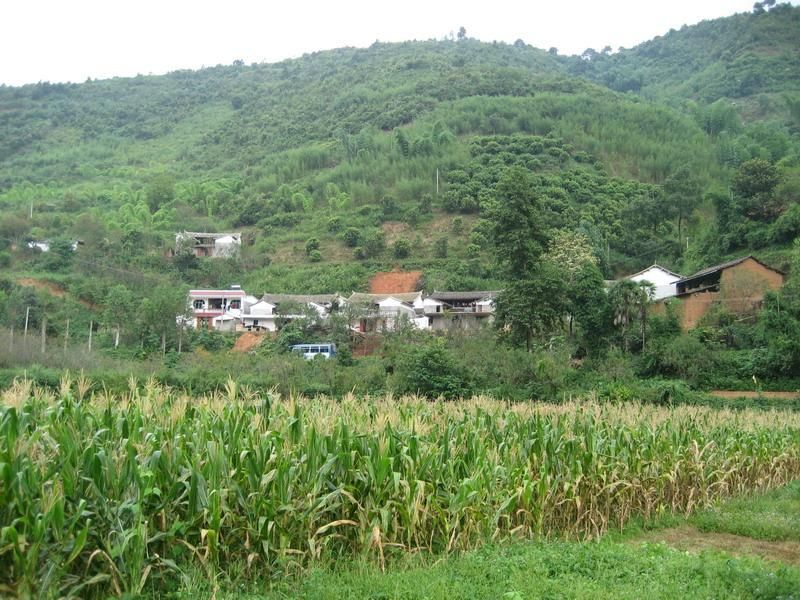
(206, 305)
(260, 317)
(662, 279)
(215, 245)
(465, 310)
(385, 312)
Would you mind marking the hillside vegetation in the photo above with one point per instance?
(346, 162)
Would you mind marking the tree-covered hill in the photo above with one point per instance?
(347, 161)
(750, 57)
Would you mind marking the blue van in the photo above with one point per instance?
(311, 351)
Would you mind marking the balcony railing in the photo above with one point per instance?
(477, 310)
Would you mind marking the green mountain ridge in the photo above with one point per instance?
(392, 140)
(740, 56)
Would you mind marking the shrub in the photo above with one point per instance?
(440, 248)
(431, 371)
(211, 340)
(401, 249)
(334, 224)
(352, 237)
(315, 256)
(311, 245)
(280, 220)
(374, 243)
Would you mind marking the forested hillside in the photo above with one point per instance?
(683, 150)
(753, 58)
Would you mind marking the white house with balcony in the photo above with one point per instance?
(465, 310)
(206, 305)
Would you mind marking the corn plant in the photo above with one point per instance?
(124, 494)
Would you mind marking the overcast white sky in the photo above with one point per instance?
(70, 40)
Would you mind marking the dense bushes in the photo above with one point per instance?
(431, 370)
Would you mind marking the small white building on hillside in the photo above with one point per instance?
(386, 312)
(663, 279)
(260, 317)
(215, 245)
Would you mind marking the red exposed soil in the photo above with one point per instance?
(247, 341)
(396, 282)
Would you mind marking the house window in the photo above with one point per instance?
(199, 304)
(234, 304)
(255, 321)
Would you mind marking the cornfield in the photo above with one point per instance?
(112, 495)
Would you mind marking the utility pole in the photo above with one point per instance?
(66, 337)
(437, 181)
(91, 327)
(44, 334)
(27, 315)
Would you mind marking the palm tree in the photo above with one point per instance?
(629, 300)
(646, 293)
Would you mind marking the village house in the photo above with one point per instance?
(664, 281)
(44, 245)
(260, 317)
(465, 310)
(737, 285)
(214, 245)
(272, 308)
(207, 305)
(387, 312)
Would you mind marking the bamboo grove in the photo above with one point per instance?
(104, 494)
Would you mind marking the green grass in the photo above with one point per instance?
(611, 568)
(774, 516)
(520, 571)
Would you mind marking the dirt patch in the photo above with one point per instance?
(365, 345)
(692, 539)
(51, 288)
(396, 282)
(394, 228)
(48, 286)
(247, 341)
(728, 394)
